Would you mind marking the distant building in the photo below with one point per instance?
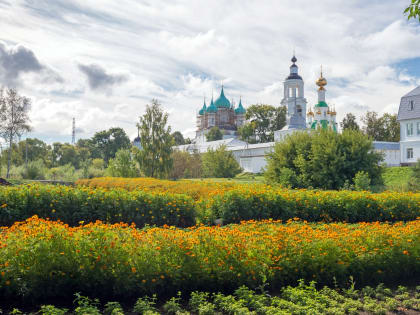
(409, 118)
(222, 114)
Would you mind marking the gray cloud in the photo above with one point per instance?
(99, 78)
(17, 60)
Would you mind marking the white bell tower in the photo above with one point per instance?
(294, 99)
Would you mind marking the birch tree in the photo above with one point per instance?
(14, 119)
(156, 142)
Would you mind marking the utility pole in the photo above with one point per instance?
(73, 132)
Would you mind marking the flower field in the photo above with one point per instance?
(232, 203)
(42, 259)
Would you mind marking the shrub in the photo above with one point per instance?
(72, 205)
(323, 159)
(220, 163)
(123, 165)
(361, 181)
(55, 260)
(34, 170)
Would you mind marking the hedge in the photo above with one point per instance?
(45, 259)
(72, 205)
(256, 203)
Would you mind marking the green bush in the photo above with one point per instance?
(220, 163)
(361, 181)
(34, 170)
(323, 159)
(72, 205)
(253, 203)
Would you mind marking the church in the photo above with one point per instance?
(251, 157)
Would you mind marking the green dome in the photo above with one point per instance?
(222, 101)
(212, 108)
(240, 110)
(321, 104)
(203, 110)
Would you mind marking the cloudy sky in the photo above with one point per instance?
(103, 61)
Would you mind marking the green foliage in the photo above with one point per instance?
(105, 144)
(396, 178)
(72, 205)
(413, 10)
(385, 128)
(361, 181)
(173, 306)
(185, 165)
(155, 156)
(145, 304)
(323, 159)
(52, 310)
(414, 182)
(214, 134)
(123, 165)
(178, 138)
(34, 170)
(250, 203)
(247, 132)
(85, 306)
(265, 119)
(349, 122)
(113, 308)
(220, 163)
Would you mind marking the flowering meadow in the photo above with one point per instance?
(41, 259)
(198, 203)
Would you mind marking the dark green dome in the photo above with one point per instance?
(222, 101)
(240, 110)
(212, 108)
(203, 110)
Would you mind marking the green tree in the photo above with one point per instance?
(247, 132)
(385, 128)
(185, 165)
(106, 143)
(123, 165)
(413, 10)
(349, 122)
(14, 119)
(214, 134)
(414, 182)
(178, 138)
(266, 119)
(220, 163)
(323, 159)
(156, 141)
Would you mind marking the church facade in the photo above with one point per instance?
(222, 114)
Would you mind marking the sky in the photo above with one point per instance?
(103, 61)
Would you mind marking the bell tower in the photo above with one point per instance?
(294, 98)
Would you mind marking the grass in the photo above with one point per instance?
(396, 178)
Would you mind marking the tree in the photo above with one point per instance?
(178, 138)
(185, 165)
(349, 122)
(266, 119)
(220, 163)
(214, 134)
(106, 143)
(123, 165)
(156, 141)
(385, 128)
(14, 118)
(413, 10)
(247, 132)
(323, 159)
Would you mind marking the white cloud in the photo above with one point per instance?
(179, 51)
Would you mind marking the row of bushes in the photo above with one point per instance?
(232, 204)
(72, 205)
(248, 202)
(41, 259)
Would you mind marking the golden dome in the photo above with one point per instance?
(321, 82)
(318, 112)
